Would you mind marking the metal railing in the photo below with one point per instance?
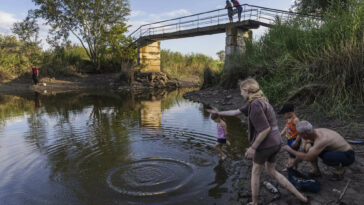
(263, 15)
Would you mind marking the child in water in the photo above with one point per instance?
(221, 135)
(293, 140)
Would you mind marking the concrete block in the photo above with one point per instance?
(150, 56)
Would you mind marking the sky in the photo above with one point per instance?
(149, 11)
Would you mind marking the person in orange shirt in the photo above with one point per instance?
(293, 139)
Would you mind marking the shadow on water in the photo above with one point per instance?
(113, 148)
(220, 179)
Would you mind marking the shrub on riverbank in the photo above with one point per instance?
(16, 56)
(64, 61)
(314, 62)
(177, 65)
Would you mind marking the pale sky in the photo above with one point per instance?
(149, 11)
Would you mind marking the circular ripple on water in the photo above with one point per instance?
(149, 177)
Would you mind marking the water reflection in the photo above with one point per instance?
(37, 104)
(220, 179)
(59, 149)
(151, 113)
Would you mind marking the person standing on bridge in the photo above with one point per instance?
(229, 8)
(238, 7)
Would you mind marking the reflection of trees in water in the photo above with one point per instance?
(101, 139)
(94, 143)
(14, 106)
(37, 134)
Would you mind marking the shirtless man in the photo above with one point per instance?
(327, 144)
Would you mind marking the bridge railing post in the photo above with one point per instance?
(218, 17)
(198, 21)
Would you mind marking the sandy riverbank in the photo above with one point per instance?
(69, 84)
(353, 129)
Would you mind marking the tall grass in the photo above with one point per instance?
(315, 62)
(68, 61)
(178, 65)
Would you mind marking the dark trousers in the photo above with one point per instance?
(35, 79)
(338, 158)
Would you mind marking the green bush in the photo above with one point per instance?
(68, 61)
(16, 57)
(178, 65)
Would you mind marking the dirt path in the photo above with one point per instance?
(330, 190)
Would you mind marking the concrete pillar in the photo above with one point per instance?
(149, 56)
(235, 40)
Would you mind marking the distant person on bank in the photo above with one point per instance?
(229, 8)
(264, 137)
(238, 7)
(35, 74)
(327, 144)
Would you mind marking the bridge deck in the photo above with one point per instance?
(212, 22)
(199, 31)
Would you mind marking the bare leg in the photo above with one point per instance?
(314, 163)
(339, 170)
(256, 171)
(271, 168)
(291, 161)
(219, 150)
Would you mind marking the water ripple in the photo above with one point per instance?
(148, 177)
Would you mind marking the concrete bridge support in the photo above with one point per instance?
(149, 55)
(235, 40)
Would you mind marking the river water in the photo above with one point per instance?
(113, 148)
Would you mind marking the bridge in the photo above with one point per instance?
(147, 37)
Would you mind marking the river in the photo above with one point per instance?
(103, 147)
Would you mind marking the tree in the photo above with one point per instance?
(317, 6)
(87, 20)
(120, 47)
(221, 55)
(28, 33)
(27, 30)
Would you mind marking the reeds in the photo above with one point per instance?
(303, 52)
(177, 65)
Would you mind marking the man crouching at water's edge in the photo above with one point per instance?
(327, 144)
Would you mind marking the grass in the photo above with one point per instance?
(293, 55)
(177, 65)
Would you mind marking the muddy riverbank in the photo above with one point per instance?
(91, 82)
(330, 190)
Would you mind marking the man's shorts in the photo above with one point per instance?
(289, 143)
(338, 158)
(266, 155)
